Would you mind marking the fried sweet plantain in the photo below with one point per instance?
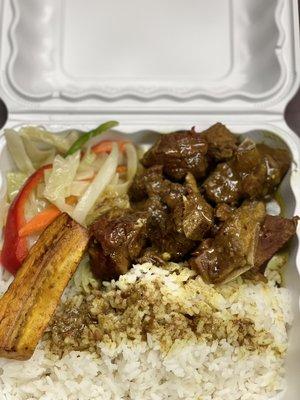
(30, 301)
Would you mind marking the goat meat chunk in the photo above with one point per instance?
(253, 173)
(151, 183)
(152, 255)
(162, 231)
(223, 185)
(103, 266)
(221, 142)
(147, 183)
(278, 162)
(179, 153)
(197, 216)
(274, 234)
(223, 211)
(233, 249)
(120, 240)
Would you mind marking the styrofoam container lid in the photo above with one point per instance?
(158, 64)
(141, 56)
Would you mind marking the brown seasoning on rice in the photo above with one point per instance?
(130, 310)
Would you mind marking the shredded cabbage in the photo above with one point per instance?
(34, 205)
(61, 141)
(37, 156)
(3, 211)
(40, 189)
(275, 266)
(83, 278)
(15, 180)
(59, 182)
(98, 185)
(32, 147)
(17, 150)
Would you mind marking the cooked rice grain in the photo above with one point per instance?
(193, 367)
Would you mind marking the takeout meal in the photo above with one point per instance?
(157, 273)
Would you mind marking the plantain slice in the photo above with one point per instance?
(30, 301)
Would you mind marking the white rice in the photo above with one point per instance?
(191, 370)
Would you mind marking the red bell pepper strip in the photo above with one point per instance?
(15, 247)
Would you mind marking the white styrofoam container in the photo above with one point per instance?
(158, 65)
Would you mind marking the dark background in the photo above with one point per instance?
(292, 112)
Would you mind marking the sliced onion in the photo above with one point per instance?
(115, 179)
(132, 161)
(88, 173)
(132, 164)
(63, 206)
(87, 161)
(99, 161)
(78, 188)
(96, 188)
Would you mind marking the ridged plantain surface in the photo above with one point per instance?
(30, 301)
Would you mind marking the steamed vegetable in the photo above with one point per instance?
(83, 139)
(106, 145)
(132, 163)
(59, 183)
(101, 180)
(17, 150)
(4, 206)
(33, 147)
(37, 156)
(121, 169)
(84, 278)
(14, 180)
(61, 142)
(87, 161)
(74, 182)
(79, 187)
(85, 175)
(15, 248)
(40, 221)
